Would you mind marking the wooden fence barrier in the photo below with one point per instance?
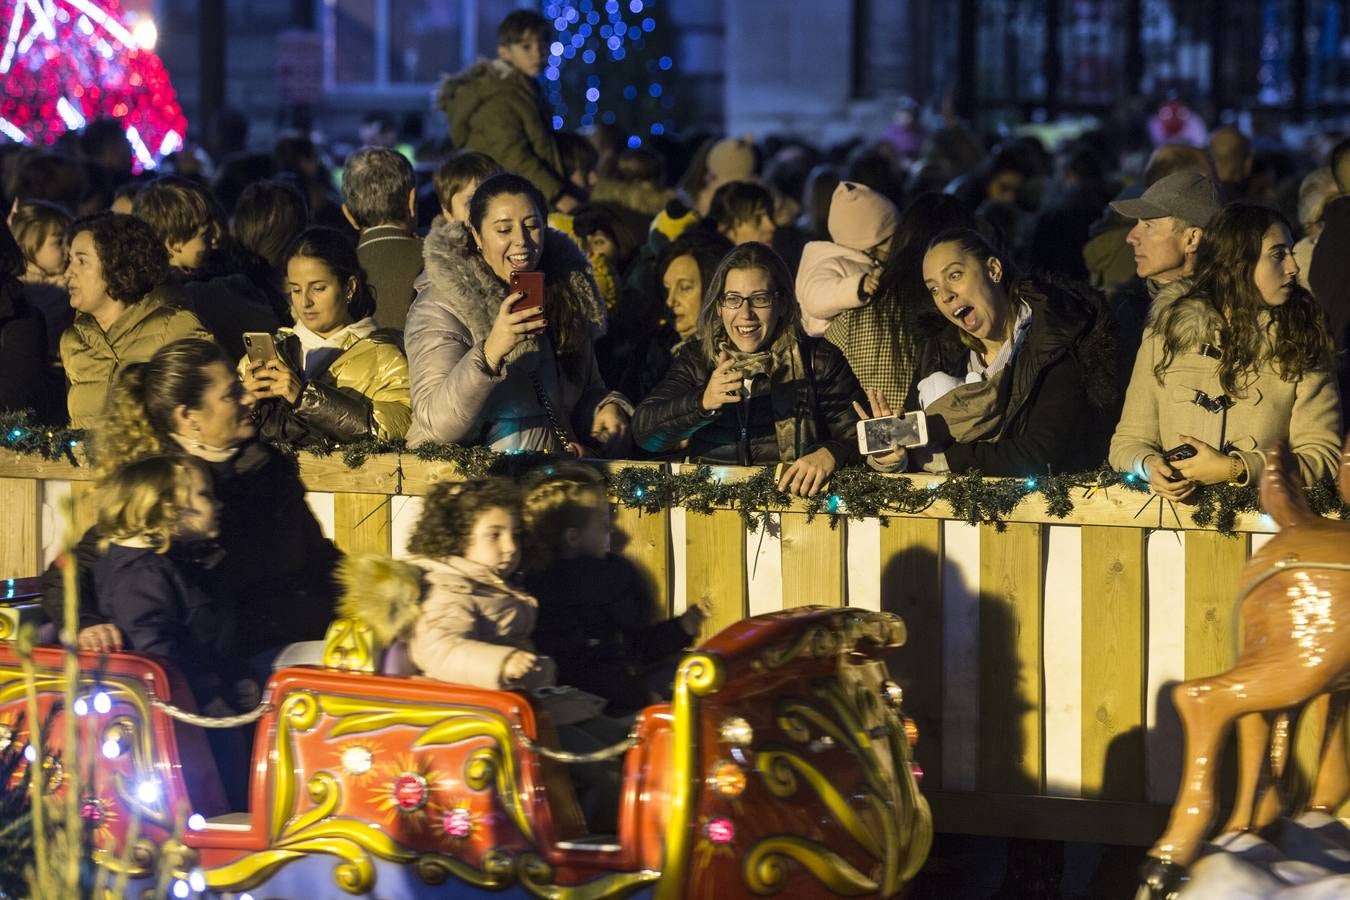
(1039, 656)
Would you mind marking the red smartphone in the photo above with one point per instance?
(532, 283)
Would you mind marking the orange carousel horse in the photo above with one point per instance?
(1295, 604)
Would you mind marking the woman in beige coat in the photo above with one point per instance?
(1234, 360)
(115, 263)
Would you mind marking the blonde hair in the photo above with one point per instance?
(560, 497)
(145, 499)
(33, 222)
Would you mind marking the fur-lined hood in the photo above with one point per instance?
(465, 282)
(384, 593)
(461, 93)
(1191, 319)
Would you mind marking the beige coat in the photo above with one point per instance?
(92, 357)
(1306, 412)
(471, 622)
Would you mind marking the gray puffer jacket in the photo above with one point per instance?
(456, 398)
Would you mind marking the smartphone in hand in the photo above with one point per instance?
(1179, 452)
(532, 283)
(884, 433)
(260, 346)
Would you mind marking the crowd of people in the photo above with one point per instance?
(1047, 309)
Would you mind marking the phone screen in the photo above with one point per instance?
(532, 283)
(889, 432)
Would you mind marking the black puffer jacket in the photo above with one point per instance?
(745, 433)
(1064, 393)
(279, 566)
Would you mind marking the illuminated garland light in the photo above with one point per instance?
(67, 62)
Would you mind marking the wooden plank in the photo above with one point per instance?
(644, 538)
(813, 561)
(85, 496)
(911, 587)
(1114, 663)
(18, 465)
(1213, 569)
(715, 567)
(420, 475)
(361, 523)
(329, 474)
(1047, 818)
(1012, 697)
(21, 548)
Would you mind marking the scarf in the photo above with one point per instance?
(319, 352)
(973, 410)
(779, 372)
(202, 451)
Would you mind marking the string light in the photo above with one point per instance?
(596, 39)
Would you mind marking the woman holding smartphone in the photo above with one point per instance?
(334, 376)
(1235, 359)
(751, 388)
(491, 365)
(1019, 381)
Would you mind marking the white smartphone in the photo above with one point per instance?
(883, 434)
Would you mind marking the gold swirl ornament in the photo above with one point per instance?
(351, 646)
(699, 675)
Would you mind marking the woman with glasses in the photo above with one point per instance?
(753, 389)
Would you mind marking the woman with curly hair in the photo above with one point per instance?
(115, 264)
(1236, 359)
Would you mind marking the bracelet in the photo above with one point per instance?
(1235, 469)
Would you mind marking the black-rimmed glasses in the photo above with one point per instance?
(760, 300)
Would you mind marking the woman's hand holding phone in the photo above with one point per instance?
(724, 385)
(1207, 466)
(273, 379)
(878, 408)
(509, 329)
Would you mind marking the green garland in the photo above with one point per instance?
(854, 492)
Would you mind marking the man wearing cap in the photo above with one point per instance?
(1172, 215)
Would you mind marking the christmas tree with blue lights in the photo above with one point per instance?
(611, 63)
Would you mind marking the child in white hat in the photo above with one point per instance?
(841, 274)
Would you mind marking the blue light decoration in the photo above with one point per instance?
(1031, 484)
(604, 64)
(833, 503)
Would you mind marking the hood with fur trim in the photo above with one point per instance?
(464, 280)
(1190, 319)
(384, 593)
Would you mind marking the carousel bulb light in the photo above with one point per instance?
(196, 822)
(410, 792)
(181, 889)
(145, 33)
(81, 706)
(147, 791)
(458, 822)
(735, 730)
(727, 779)
(197, 880)
(112, 748)
(102, 703)
(720, 831)
(30, 753)
(356, 760)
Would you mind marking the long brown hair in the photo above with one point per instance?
(753, 255)
(1293, 341)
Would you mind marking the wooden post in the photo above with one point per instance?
(21, 549)
(813, 561)
(1114, 656)
(715, 564)
(645, 537)
(361, 523)
(1012, 693)
(911, 587)
(1213, 569)
(84, 495)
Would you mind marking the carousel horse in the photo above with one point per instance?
(1295, 605)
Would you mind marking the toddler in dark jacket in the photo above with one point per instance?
(595, 610)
